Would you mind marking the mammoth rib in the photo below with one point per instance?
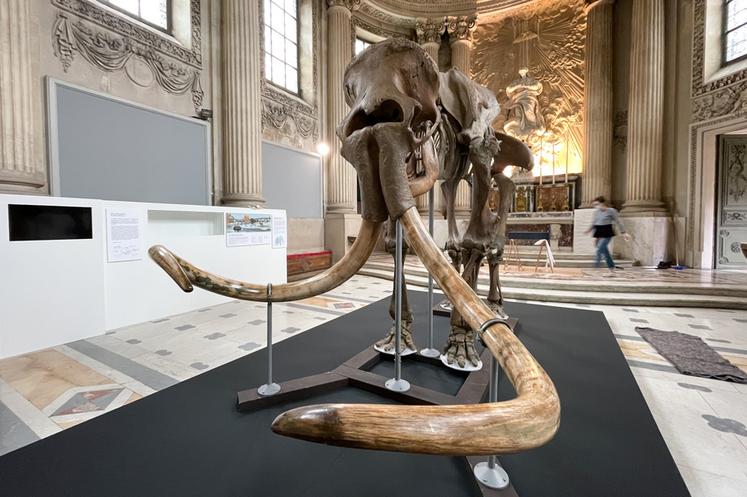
(527, 421)
(187, 275)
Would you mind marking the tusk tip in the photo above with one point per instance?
(169, 263)
(319, 423)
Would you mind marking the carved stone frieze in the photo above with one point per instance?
(119, 24)
(111, 52)
(278, 110)
(348, 4)
(430, 30)
(382, 23)
(461, 27)
(731, 100)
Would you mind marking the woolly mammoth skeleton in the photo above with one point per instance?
(392, 89)
(467, 147)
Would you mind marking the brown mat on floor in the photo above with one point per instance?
(691, 356)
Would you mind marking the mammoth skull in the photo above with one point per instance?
(391, 90)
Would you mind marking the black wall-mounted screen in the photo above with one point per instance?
(49, 222)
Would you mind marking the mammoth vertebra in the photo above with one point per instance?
(392, 89)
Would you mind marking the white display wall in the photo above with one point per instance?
(57, 291)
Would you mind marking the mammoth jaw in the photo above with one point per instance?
(379, 155)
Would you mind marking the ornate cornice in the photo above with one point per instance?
(461, 27)
(119, 24)
(430, 30)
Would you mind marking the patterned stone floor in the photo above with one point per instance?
(704, 422)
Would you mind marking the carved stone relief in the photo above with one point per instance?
(736, 173)
(621, 130)
(112, 43)
(548, 40)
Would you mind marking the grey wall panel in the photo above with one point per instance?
(292, 180)
(114, 150)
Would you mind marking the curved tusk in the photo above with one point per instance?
(528, 421)
(186, 275)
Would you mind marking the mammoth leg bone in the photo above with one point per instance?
(460, 347)
(506, 189)
(386, 344)
(527, 421)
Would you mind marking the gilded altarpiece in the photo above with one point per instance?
(547, 39)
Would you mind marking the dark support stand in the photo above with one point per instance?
(355, 372)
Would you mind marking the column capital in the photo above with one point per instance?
(349, 5)
(460, 28)
(430, 30)
(590, 4)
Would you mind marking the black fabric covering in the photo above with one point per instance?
(189, 440)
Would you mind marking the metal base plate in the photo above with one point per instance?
(405, 352)
(397, 385)
(495, 477)
(430, 353)
(267, 390)
(468, 367)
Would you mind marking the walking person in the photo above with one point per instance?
(603, 228)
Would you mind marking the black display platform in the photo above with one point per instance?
(189, 440)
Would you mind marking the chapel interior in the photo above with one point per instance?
(216, 245)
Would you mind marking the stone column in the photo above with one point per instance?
(646, 107)
(341, 221)
(341, 176)
(460, 38)
(242, 104)
(20, 170)
(429, 33)
(598, 119)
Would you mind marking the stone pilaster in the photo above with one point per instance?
(598, 118)
(20, 170)
(341, 176)
(646, 108)
(242, 103)
(460, 38)
(429, 33)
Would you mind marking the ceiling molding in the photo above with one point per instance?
(403, 13)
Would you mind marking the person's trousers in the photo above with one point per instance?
(603, 250)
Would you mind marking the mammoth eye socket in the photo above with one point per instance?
(388, 111)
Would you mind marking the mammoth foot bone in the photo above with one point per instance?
(407, 344)
(460, 349)
(498, 309)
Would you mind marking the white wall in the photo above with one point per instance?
(58, 291)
